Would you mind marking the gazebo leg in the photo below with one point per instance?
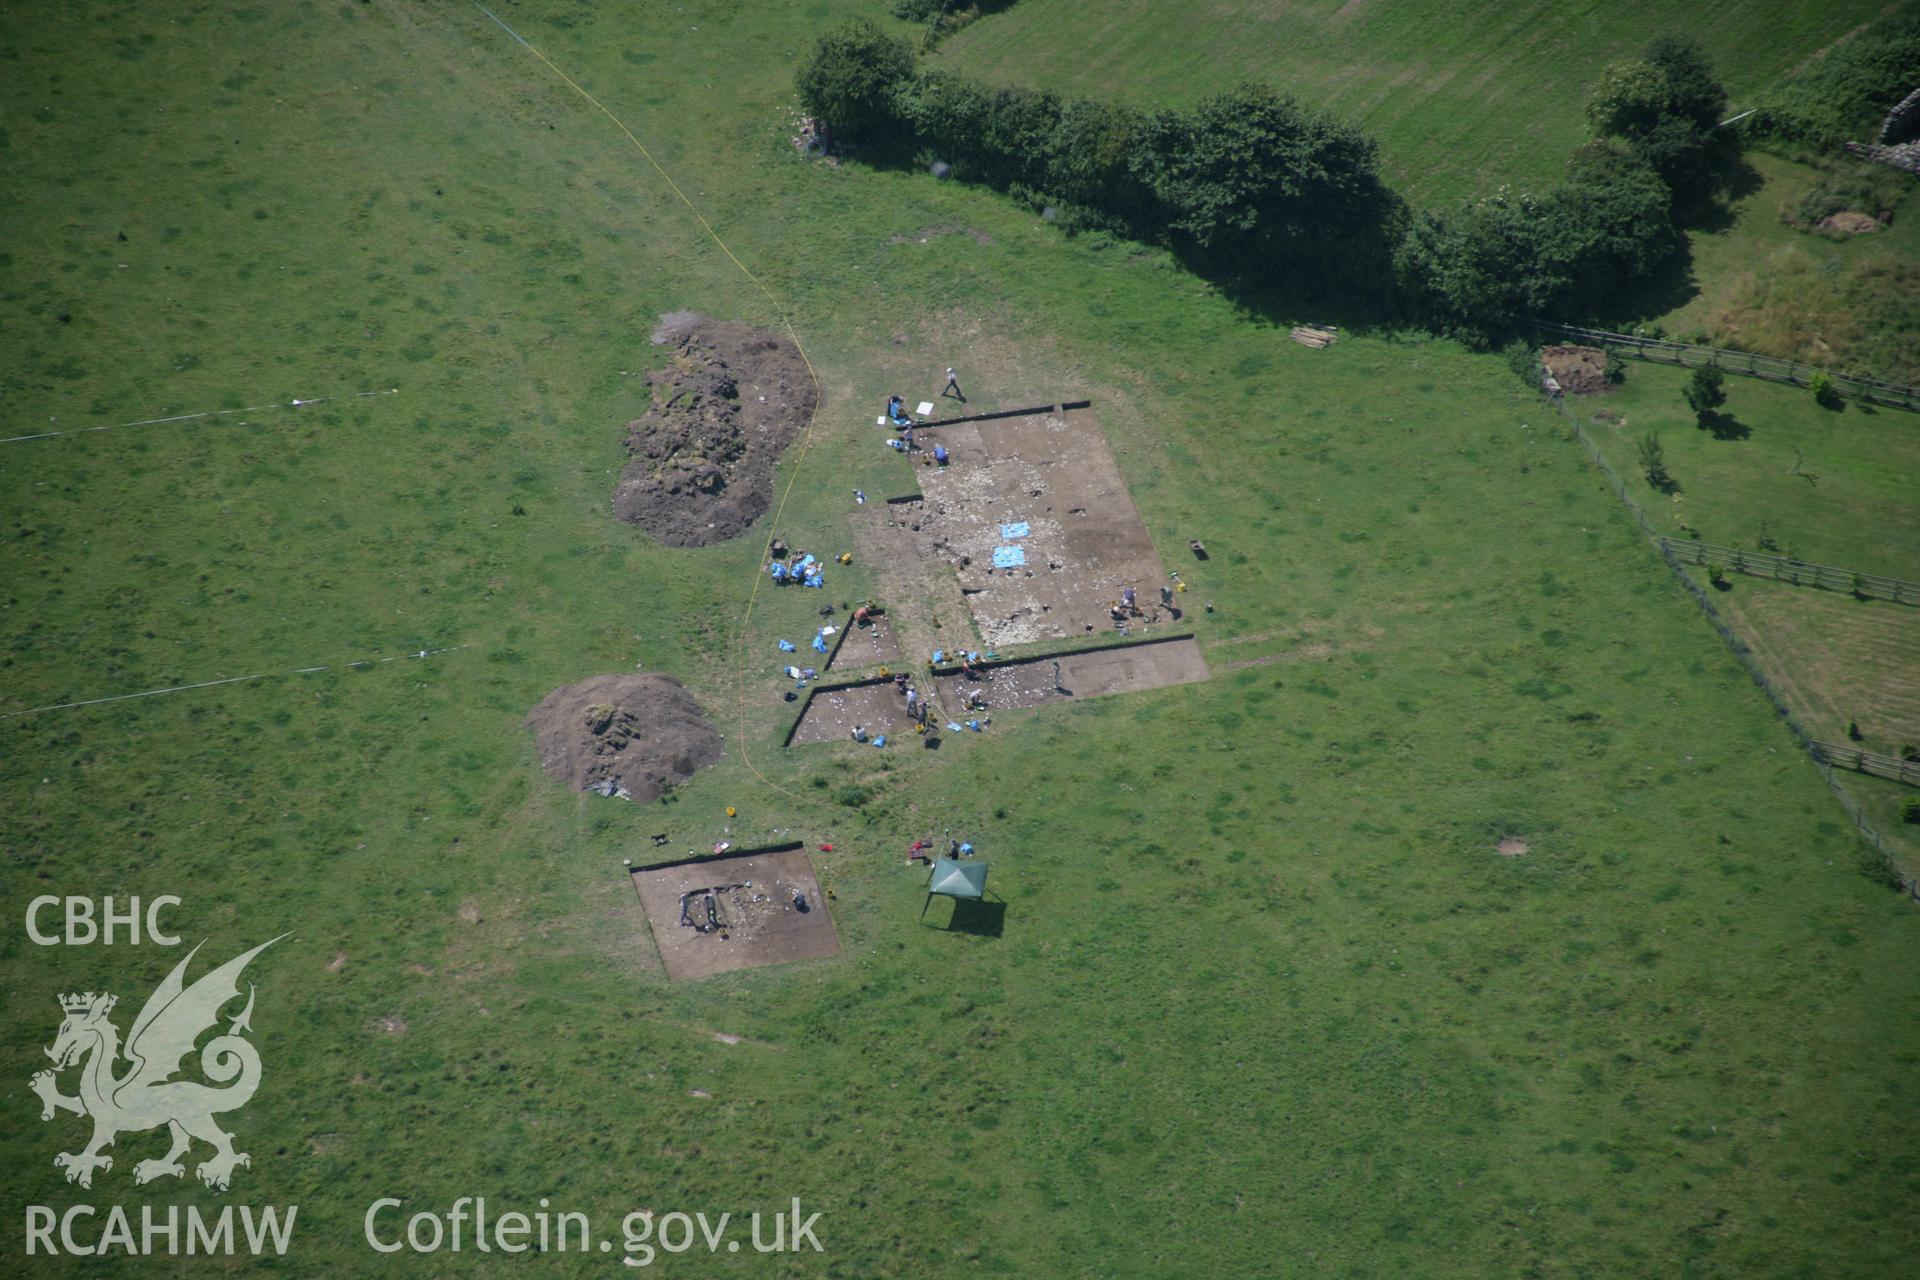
(925, 905)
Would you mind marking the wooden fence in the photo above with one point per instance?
(1799, 572)
(1894, 395)
(1883, 862)
(1907, 771)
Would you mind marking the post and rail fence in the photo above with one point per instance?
(1800, 573)
(1887, 865)
(1861, 761)
(1894, 395)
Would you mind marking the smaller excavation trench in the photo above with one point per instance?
(878, 706)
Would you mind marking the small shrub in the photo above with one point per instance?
(1653, 458)
(1706, 390)
(1616, 368)
(1826, 392)
(1910, 809)
(1853, 731)
(1524, 361)
(1910, 751)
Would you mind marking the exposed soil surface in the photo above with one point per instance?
(1848, 223)
(1084, 542)
(871, 645)
(625, 735)
(755, 918)
(1580, 371)
(832, 714)
(729, 400)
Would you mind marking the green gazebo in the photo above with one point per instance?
(953, 878)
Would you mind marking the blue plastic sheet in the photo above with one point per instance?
(1019, 529)
(819, 642)
(786, 646)
(1008, 557)
(880, 741)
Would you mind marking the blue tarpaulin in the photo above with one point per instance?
(1019, 530)
(786, 646)
(1008, 557)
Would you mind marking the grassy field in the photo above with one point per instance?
(1760, 284)
(1841, 663)
(1463, 99)
(1265, 998)
(1851, 505)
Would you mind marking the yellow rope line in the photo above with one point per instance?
(786, 322)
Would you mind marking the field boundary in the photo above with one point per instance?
(1894, 395)
(1868, 833)
(1798, 572)
(1859, 760)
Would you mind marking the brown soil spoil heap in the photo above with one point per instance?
(631, 736)
(1580, 371)
(731, 398)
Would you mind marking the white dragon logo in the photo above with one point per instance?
(148, 1096)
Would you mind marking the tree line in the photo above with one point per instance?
(1255, 187)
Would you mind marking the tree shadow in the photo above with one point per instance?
(1724, 426)
(1661, 291)
(1719, 209)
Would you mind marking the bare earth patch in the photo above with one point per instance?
(1848, 223)
(831, 714)
(868, 644)
(730, 399)
(623, 735)
(1083, 542)
(766, 908)
(1580, 371)
(1511, 846)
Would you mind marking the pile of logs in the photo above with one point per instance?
(1315, 336)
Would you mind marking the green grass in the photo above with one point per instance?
(1760, 284)
(1843, 666)
(1852, 506)
(1463, 98)
(1265, 998)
